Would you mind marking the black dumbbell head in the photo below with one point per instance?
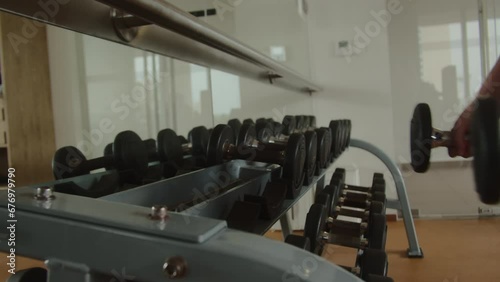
(312, 154)
(235, 124)
(373, 262)
(130, 153)
(246, 136)
(199, 141)
(222, 135)
(248, 120)
(377, 207)
(324, 199)
(264, 130)
(486, 150)
(169, 147)
(66, 163)
(312, 121)
(421, 138)
(377, 232)
(278, 128)
(301, 122)
(300, 242)
(108, 151)
(35, 274)
(336, 138)
(182, 139)
(293, 168)
(324, 147)
(289, 125)
(313, 229)
(349, 130)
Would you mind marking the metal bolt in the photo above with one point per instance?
(159, 212)
(363, 243)
(356, 270)
(325, 236)
(44, 193)
(175, 267)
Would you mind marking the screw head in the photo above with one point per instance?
(159, 212)
(44, 193)
(364, 243)
(325, 236)
(175, 267)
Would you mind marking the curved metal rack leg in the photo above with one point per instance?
(402, 203)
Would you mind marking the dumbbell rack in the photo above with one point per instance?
(82, 238)
(401, 203)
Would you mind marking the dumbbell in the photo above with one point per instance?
(485, 145)
(342, 138)
(324, 137)
(265, 135)
(349, 222)
(150, 145)
(222, 147)
(357, 196)
(129, 154)
(235, 125)
(368, 262)
(172, 152)
(327, 198)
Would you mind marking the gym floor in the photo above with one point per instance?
(455, 251)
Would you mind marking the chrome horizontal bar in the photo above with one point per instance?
(173, 33)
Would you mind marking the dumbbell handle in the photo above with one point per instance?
(356, 204)
(186, 148)
(356, 195)
(346, 227)
(360, 213)
(354, 270)
(346, 241)
(268, 156)
(441, 138)
(97, 163)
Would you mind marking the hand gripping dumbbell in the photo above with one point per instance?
(129, 154)
(222, 147)
(485, 137)
(369, 263)
(265, 135)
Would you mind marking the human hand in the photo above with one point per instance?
(460, 134)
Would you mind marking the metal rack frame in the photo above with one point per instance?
(161, 28)
(401, 203)
(95, 232)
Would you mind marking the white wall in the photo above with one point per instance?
(356, 88)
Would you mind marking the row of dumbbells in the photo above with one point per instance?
(303, 151)
(133, 156)
(350, 216)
